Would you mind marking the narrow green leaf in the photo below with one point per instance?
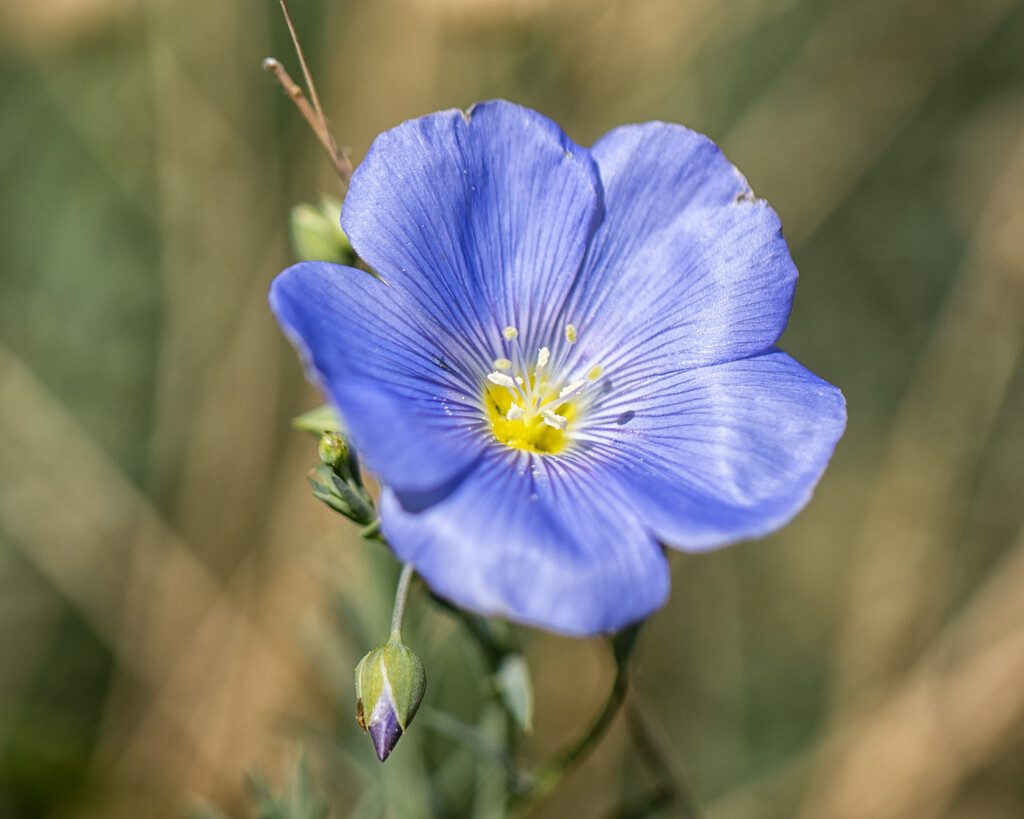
(516, 689)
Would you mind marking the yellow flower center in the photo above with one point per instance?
(533, 410)
(529, 432)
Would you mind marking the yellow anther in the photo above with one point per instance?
(570, 333)
(502, 364)
(510, 333)
(595, 373)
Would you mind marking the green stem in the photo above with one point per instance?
(549, 776)
(671, 787)
(400, 597)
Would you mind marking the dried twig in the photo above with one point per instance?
(314, 113)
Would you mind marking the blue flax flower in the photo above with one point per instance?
(569, 360)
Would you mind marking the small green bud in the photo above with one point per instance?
(317, 234)
(390, 682)
(332, 449)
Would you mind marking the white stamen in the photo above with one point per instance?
(502, 380)
(574, 387)
(533, 387)
(553, 420)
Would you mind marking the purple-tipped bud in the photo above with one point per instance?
(385, 730)
(389, 686)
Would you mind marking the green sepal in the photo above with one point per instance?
(356, 499)
(392, 671)
(336, 492)
(319, 421)
(321, 481)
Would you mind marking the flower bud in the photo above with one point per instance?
(332, 449)
(390, 682)
(317, 233)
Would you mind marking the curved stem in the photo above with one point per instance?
(400, 597)
(671, 787)
(548, 777)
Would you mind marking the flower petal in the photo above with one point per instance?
(385, 733)
(483, 217)
(720, 453)
(404, 388)
(687, 268)
(534, 539)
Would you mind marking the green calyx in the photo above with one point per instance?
(393, 672)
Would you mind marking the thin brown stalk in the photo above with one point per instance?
(314, 97)
(341, 164)
(314, 113)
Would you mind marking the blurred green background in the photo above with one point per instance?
(165, 577)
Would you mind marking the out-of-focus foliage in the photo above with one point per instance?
(299, 798)
(168, 587)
